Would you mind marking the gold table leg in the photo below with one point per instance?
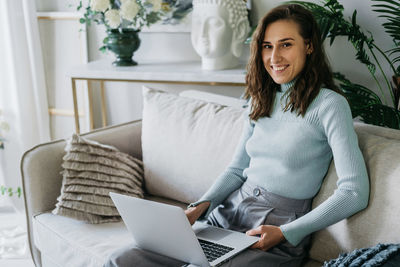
(76, 113)
(103, 104)
(90, 99)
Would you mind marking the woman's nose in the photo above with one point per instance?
(275, 55)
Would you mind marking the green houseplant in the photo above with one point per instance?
(365, 104)
(124, 19)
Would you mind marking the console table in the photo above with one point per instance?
(167, 73)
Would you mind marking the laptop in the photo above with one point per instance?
(165, 229)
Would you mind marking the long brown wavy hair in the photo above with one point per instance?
(316, 73)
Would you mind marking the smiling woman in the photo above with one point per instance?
(286, 48)
(297, 121)
(284, 51)
(295, 124)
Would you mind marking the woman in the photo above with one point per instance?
(297, 121)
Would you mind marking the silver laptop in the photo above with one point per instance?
(165, 229)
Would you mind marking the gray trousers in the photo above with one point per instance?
(248, 207)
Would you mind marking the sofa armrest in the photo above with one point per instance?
(41, 169)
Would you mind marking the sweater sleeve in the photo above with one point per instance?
(232, 178)
(352, 192)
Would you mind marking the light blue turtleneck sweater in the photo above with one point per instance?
(289, 155)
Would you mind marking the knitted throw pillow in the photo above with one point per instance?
(379, 255)
(90, 172)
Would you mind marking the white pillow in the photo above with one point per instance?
(187, 143)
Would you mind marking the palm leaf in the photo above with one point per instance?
(358, 96)
(381, 115)
(325, 17)
(332, 23)
(366, 105)
(390, 10)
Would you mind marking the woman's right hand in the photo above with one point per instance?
(193, 213)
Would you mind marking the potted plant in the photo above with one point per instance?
(123, 20)
(365, 104)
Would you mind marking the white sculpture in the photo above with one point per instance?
(219, 29)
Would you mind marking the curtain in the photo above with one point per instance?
(23, 97)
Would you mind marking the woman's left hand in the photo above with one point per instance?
(270, 236)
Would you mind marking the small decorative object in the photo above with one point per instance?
(4, 190)
(123, 43)
(219, 29)
(124, 19)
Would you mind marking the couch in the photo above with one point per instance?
(185, 142)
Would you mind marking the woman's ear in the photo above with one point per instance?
(239, 36)
(310, 48)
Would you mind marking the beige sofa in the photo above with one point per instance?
(179, 171)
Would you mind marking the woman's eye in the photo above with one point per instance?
(287, 45)
(266, 46)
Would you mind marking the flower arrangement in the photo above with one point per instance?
(122, 14)
(132, 14)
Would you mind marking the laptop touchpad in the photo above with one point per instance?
(213, 233)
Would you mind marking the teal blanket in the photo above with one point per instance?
(368, 257)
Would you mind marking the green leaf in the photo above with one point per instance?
(354, 18)
(391, 11)
(10, 192)
(19, 192)
(82, 20)
(79, 6)
(152, 18)
(388, 1)
(103, 49)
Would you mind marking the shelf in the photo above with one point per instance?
(179, 72)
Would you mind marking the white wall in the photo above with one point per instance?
(124, 99)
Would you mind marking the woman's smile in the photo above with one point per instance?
(279, 68)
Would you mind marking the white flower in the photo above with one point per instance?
(129, 9)
(156, 4)
(112, 17)
(4, 126)
(99, 5)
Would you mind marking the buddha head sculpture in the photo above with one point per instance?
(219, 29)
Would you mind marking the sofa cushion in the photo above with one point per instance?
(378, 223)
(69, 242)
(186, 143)
(90, 171)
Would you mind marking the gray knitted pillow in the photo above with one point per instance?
(90, 172)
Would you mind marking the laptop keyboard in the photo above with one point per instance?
(212, 250)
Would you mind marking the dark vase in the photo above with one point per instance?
(123, 43)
